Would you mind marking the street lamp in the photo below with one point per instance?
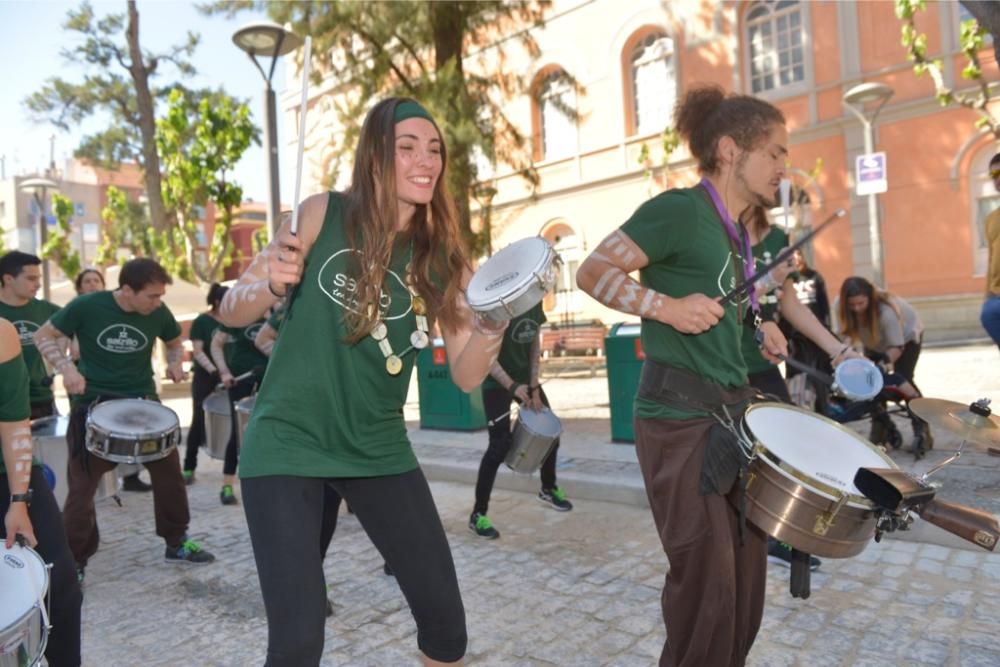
(38, 187)
(269, 40)
(855, 99)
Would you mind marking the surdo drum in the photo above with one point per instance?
(132, 430)
(48, 436)
(800, 486)
(218, 423)
(244, 408)
(534, 435)
(24, 618)
(513, 280)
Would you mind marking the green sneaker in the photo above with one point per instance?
(481, 525)
(188, 477)
(189, 553)
(227, 496)
(555, 497)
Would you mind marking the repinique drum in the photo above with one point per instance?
(800, 487)
(534, 435)
(50, 448)
(132, 430)
(857, 379)
(24, 618)
(513, 280)
(218, 424)
(244, 408)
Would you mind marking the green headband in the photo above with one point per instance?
(411, 109)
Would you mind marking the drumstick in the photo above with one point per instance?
(500, 418)
(780, 259)
(306, 61)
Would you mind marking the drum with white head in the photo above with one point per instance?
(132, 430)
(534, 435)
(24, 618)
(800, 487)
(857, 379)
(514, 279)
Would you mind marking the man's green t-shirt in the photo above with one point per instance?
(241, 354)
(689, 253)
(763, 253)
(14, 403)
(515, 352)
(27, 319)
(116, 347)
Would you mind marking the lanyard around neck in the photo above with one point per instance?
(740, 240)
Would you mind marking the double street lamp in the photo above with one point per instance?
(855, 99)
(37, 187)
(269, 40)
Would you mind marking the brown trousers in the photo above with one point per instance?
(170, 502)
(713, 598)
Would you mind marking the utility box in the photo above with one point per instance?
(623, 349)
(442, 404)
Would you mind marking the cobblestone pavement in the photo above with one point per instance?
(577, 588)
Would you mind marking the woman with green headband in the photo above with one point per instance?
(368, 273)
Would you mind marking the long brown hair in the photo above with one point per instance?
(865, 327)
(371, 218)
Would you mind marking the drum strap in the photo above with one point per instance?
(682, 389)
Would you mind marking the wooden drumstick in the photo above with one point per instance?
(306, 61)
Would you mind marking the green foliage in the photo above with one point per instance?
(670, 140)
(126, 227)
(58, 247)
(200, 144)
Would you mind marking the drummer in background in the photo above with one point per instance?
(235, 353)
(688, 250)
(267, 336)
(206, 375)
(87, 282)
(368, 273)
(891, 333)
(777, 294)
(30, 509)
(135, 315)
(20, 280)
(514, 377)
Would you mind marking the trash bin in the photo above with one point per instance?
(442, 404)
(623, 350)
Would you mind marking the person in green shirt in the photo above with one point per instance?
(206, 375)
(20, 280)
(689, 252)
(30, 509)
(367, 272)
(116, 331)
(514, 377)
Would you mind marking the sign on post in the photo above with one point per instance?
(870, 174)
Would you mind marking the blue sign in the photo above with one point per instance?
(870, 174)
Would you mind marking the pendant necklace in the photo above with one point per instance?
(419, 339)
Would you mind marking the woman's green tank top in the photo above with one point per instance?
(327, 408)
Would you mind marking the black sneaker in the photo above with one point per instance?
(227, 496)
(189, 553)
(80, 572)
(133, 483)
(781, 554)
(555, 497)
(387, 570)
(481, 525)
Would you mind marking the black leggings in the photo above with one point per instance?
(285, 516)
(496, 401)
(202, 385)
(65, 598)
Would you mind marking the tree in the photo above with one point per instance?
(126, 227)
(200, 147)
(126, 96)
(419, 49)
(58, 247)
(971, 43)
(987, 14)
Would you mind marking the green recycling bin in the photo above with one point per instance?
(623, 349)
(442, 404)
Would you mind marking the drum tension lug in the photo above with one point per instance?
(825, 521)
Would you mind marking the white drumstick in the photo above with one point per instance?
(306, 60)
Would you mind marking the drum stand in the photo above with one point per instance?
(798, 584)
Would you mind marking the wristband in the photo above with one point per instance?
(839, 354)
(271, 290)
(21, 497)
(514, 387)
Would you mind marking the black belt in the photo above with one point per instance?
(682, 389)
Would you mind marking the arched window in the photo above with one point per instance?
(556, 102)
(775, 41)
(653, 83)
(985, 200)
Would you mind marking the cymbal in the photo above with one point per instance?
(959, 419)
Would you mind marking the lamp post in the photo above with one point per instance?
(36, 186)
(855, 99)
(269, 40)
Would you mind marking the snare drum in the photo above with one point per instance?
(513, 280)
(52, 451)
(800, 488)
(857, 379)
(244, 408)
(218, 423)
(534, 435)
(24, 628)
(132, 430)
